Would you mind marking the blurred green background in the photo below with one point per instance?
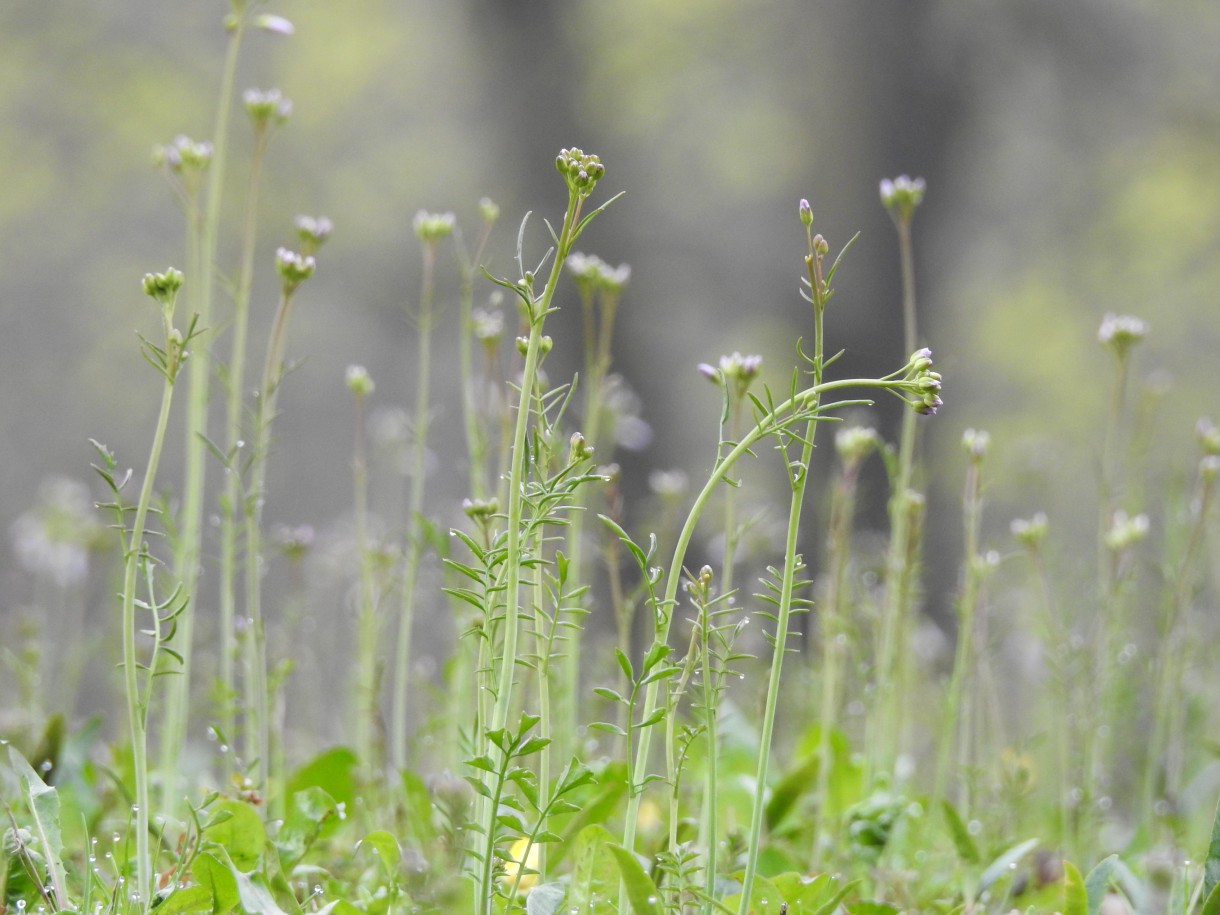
(1071, 154)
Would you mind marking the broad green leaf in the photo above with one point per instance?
(43, 803)
(595, 874)
(962, 840)
(311, 808)
(1075, 898)
(795, 783)
(1098, 881)
(1211, 906)
(334, 771)
(765, 898)
(871, 907)
(385, 847)
(613, 782)
(197, 898)
(239, 832)
(641, 891)
(210, 873)
(255, 896)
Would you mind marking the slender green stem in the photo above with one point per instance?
(234, 408)
(798, 475)
(833, 616)
(137, 709)
(258, 737)
(804, 405)
(415, 535)
(202, 256)
(476, 436)
(886, 738)
(517, 477)
(366, 626)
(958, 732)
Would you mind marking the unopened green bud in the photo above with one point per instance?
(358, 381)
(1209, 466)
(820, 246)
(277, 24)
(488, 210)
(523, 345)
(806, 213)
(545, 344)
(578, 449)
(163, 286)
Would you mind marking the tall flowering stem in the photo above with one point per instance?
(431, 229)
(900, 197)
(293, 268)
(581, 172)
(168, 360)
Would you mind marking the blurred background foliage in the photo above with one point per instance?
(1072, 154)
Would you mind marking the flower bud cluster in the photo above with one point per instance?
(481, 510)
(487, 325)
(924, 382)
(433, 227)
(592, 274)
(736, 371)
(580, 171)
(1030, 532)
(1208, 435)
(579, 449)
(902, 195)
(1120, 333)
(163, 286)
(1125, 531)
(700, 587)
(312, 232)
(855, 443)
(267, 106)
(183, 155)
(359, 381)
(489, 210)
(293, 268)
(975, 443)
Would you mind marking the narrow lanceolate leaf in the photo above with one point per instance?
(43, 802)
(1098, 881)
(641, 891)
